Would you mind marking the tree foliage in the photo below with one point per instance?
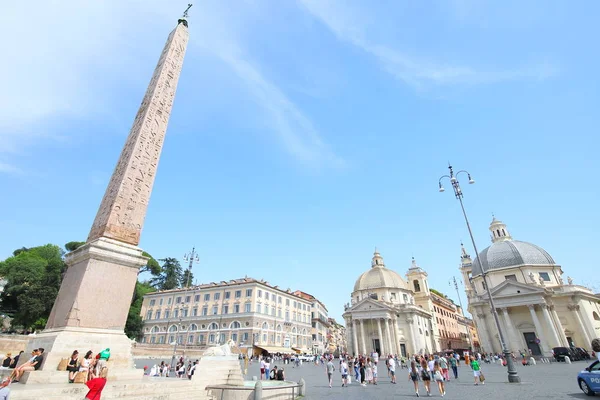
(134, 324)
(72, 246)
(33, 278)
(170, 276)
(151, 266)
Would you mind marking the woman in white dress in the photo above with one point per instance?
(85, 365)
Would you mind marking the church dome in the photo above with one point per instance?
(379, 276)
(506, 252)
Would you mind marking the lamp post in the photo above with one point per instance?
(513, 377)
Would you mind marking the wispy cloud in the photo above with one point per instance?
(349, 26)
(59, 66)
(9, 169)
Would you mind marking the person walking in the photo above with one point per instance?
(369, 371)
(454, 366)
(344, 371)
(392, 368)
(362, 371)
(444, 367)
(330, 368)
(476, 371)
(262, 368)
(267, 368)
(425, 376)
(439, 378)
(413, 375)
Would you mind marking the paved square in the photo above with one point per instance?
(547, 381)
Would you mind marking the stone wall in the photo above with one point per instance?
(13, 343)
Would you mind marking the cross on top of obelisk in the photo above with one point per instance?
(183, 19)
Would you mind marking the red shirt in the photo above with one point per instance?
(96, 385)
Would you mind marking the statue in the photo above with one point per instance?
(596, 345)
(532, 277)
(223, 350)
(570, 280)
(542, 283)
(560, 280)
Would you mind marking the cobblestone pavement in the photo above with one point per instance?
(542, 381)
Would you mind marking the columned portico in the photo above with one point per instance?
(396, 337)
(413, 342)
(354, 338)
(559, 327)
(575, 309)
(382, 346)
(387, 335)
(548, 321)
(513, 340)
(539, 330)
(484, 333)
(362, 337)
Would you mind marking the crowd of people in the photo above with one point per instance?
(181, 369)
(422, 369)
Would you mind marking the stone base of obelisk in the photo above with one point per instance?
(90, 310)
(60, 343)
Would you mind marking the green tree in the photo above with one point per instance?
(134, 324)
(187, 279)
(72, 246)
(33, 278)
(151, 266)
(170, 275)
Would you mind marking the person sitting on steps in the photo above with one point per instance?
(32, 365)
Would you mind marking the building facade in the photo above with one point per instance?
(336, 338)
(248, 311)
(453, 326)
(537, 309)
(319, 322)
(383, 313)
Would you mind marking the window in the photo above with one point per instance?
(510, 277)
(405, 298)
(215, 310)
(294, 306)
(152, 302)
(279, 299)
(236, 308)
(211, 338)
(545, 276)
(149, 314)
(161, 340)
(247, 307)
(195, 312)
(248, 292)
(595, 315)
(416, 285)
(222, 338)
(160, 302)
(234, 337)
(167, 312)
(287, 316)
(207, 297)
(201, 339)
(169, 301)
(185, 312)
(238, 294)
(176, 313)
(188, 299)
(235, 325)
(245, 336)
(217, 296)
(267, 295)
(225, 309)
(190, 339)
(259, 293)
(178, 300)
(157, 315)
(287, 302)
(197, 298)
(258, 308)
(227, 295)
(205, 310)
(279, 313)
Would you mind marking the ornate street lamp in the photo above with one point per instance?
(513, 377)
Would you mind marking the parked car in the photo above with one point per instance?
(561, 352)
(583, 353)
(589, 379)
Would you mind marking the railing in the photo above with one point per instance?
(224, 388)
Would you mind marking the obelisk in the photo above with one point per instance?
(94, 298)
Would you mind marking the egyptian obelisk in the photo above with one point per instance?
(94, 298)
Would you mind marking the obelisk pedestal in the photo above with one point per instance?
(93, 302)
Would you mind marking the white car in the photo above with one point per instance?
(306, 358)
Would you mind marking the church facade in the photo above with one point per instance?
(537, 309)
(389, 315)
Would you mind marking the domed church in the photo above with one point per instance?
(537, 310)
(385, 315)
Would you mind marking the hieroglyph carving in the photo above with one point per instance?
(123, 208)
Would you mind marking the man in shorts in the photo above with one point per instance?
(392, 368)
(32, 365)
(344, 371)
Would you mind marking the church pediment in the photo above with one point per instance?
(512, 288)
(368, 305)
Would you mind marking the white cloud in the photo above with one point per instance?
(8, 168)
(350, 25)
(58, 50)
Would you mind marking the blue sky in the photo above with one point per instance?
(305, 133)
